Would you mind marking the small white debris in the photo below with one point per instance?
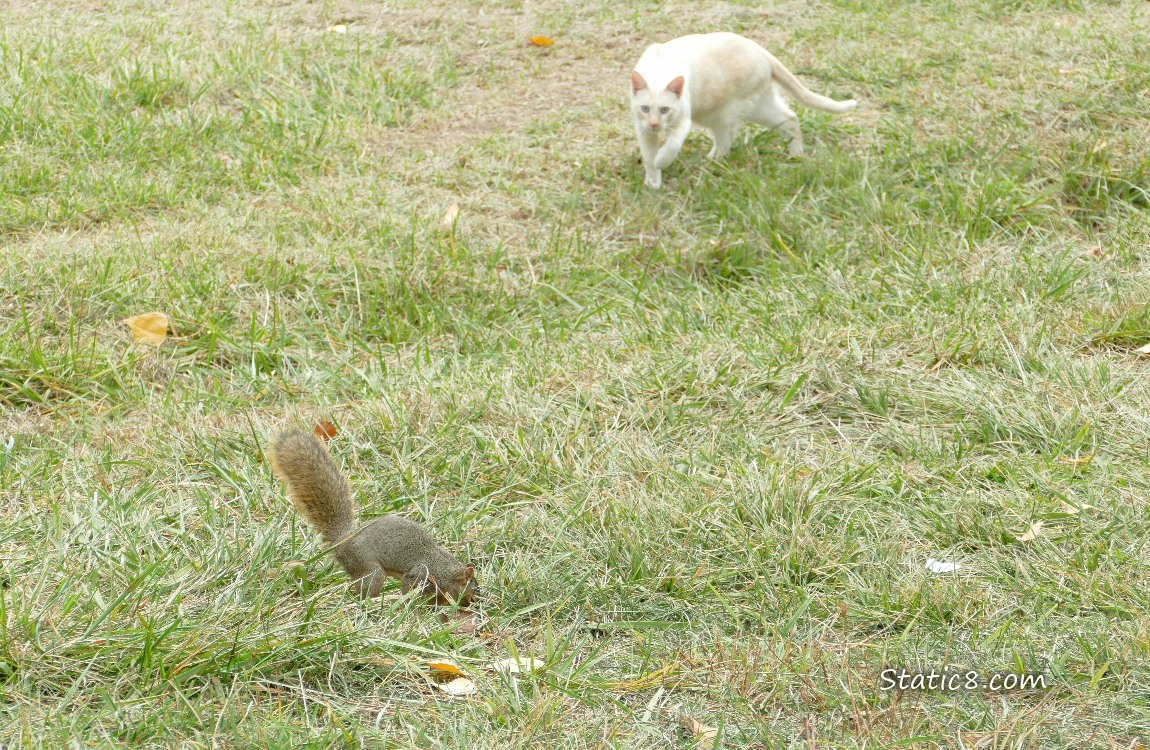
(1072, 509)
(938, 566)
(460, 687)
(514, 666)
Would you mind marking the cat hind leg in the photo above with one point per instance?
(773, 113)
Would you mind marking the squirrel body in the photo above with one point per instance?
(390, 546)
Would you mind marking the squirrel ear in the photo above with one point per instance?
(469, 572)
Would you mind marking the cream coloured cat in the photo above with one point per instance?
(715, 81)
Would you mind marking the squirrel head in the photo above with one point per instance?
(459, 589)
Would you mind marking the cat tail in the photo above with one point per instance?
(795, 88)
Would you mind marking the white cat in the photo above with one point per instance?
(715, 81)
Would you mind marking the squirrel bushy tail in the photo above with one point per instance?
(315, 484)
(389, 546)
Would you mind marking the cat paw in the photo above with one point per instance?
(654, 182)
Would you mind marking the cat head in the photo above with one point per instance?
(655, 110)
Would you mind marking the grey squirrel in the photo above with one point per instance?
(389, 546)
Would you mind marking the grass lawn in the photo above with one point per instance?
(700, 442)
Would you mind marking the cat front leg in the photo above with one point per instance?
(670, 149)
(649, 148)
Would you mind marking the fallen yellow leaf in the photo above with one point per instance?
(338, 28)
(450, 215)
(1144, 350)
(703, 734)
(541, 41)
(1032, 533)
(151, 328)
(1076, 461)
(449, 668)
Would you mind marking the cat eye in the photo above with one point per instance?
(644, 108)
(664, 110)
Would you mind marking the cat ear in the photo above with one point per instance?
(676, 86)
(637, 82)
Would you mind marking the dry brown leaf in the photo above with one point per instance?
(450, 215)
(541, 41)
(151, 328)
(1143, 350)
(468, 621)
(445, 669)
(325, 431)
(460, 687)
(808, 733)
(703, 734)
(1032, 533)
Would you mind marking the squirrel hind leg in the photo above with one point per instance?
(370, 585)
